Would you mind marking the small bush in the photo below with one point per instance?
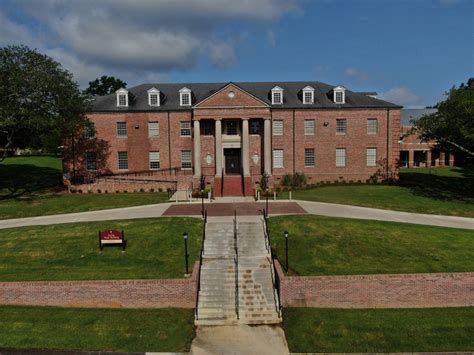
(125, 191)
(80, 191)
(160, 190)
(99, 191)
(287, 180)
(142, 190)
(106, 191)
(152, 190)
(117, 191)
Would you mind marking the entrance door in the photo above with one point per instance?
(232, 161)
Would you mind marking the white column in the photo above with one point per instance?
(197, 148)
(267, 146)
(218, 157)
(245, 147)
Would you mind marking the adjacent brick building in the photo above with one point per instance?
(232, 133)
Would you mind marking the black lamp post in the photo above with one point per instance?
(265, 188)
(202, 202)
(286, 249)
(266, 202)
(186, 255)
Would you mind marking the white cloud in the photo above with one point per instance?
(356, 74)
(271, 38)
(402, 96)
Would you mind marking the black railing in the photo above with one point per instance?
(163, 172)
(222, 183)
(273, 270)
(236, 262)
(198, 279)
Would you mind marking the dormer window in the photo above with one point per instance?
(153, 97)
(122, 98)
(339, 95)
(185, 97)
(308, 95)
(277, 95)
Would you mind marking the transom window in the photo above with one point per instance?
(154, 158)
(254, 127)
(372, 126)
(309, 127)
(153, 129)
(340, 157)
(91, 161)
(309, 157)
(89, 131)
(185, 128)
(122, 129)
(278, 158)
(371, 156)
(186, 159)
(231, 128)
(341, 126)
(278, 128)
(123, 160)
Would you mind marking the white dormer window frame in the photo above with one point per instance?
(277, 96)
(308, 95)
(122, 97)
(154, 97)
(339, 95)
(185, 97)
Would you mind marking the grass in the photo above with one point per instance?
(167, 329)
(446, 191)
(155, 249)
(32, 186)
(338, 246)
(379, 330)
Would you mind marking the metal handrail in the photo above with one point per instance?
(198, 279)
(236, 261)
(222, 183)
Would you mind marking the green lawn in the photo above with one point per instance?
(338, 246)
(167, 329)
(32, 186)
(446, 191)
(379, 330)
(155, 249)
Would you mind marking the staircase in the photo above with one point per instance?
(232, 185)
(245, 296)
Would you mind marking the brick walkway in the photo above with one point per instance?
(227, 209)
(379, 291)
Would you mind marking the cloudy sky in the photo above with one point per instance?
(410, 51)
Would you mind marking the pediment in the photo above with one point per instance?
(231, 95)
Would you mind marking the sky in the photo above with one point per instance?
(409, 51)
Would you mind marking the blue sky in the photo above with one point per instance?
(410, 52)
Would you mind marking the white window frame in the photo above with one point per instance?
(341, 157)
(118, 131)
(182, 93)
(121, 159)
(308, 90)
(307, 150)
(278, 158)
(275, 91)
(309, 127)
(154, 92)
(371, 157)
(371, 126)
(278, 127)
(185, 126)
(153, 129)
(88, 156)
(186, 160)
(345, 126)
(153, 158)
(339, 90)
(122, 93)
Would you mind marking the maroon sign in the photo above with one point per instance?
(111, 235)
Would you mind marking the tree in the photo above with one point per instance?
(105, 85)
(40, 104)
(453, 125)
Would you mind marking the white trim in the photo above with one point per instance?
(342, 90)
(119, 93)
(310, 90)
(222, 89)
(184, 91)
(277, 90)
(154, 91)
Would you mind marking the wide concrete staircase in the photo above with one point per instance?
(230, 292)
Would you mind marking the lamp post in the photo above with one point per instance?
(203, 185)
(265, 187)
(266, 201)
(286, 249)
(186, 255)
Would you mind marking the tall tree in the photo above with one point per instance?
(105, 85)
(453, 125)
(40, 104)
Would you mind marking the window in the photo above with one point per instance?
(91, 161)
(339, 95)
(153, 129)
(308, 95)
(371, 156)
(153, 97)
(154, 158)
(89, 131)
(122, 100)
(309, 158)
(122, 129)
(371, 126)
(185, 128)
(278, 158)
(122, 97)
(278, 128)
(277, 95)
(254, 127)
(186, 159)
(185, 97)
(341, 126)
(231, 128)
(309, 127)
(340, 157)
(123, 160)
(208, 128)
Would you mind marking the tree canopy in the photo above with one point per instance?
(105, 85)
(453, 125)
(40, 104)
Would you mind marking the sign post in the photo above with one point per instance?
(111, 237)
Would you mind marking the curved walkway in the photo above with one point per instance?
(253, 208)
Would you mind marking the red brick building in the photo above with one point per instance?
(232, 133)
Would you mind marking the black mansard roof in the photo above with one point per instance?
(292, 96)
